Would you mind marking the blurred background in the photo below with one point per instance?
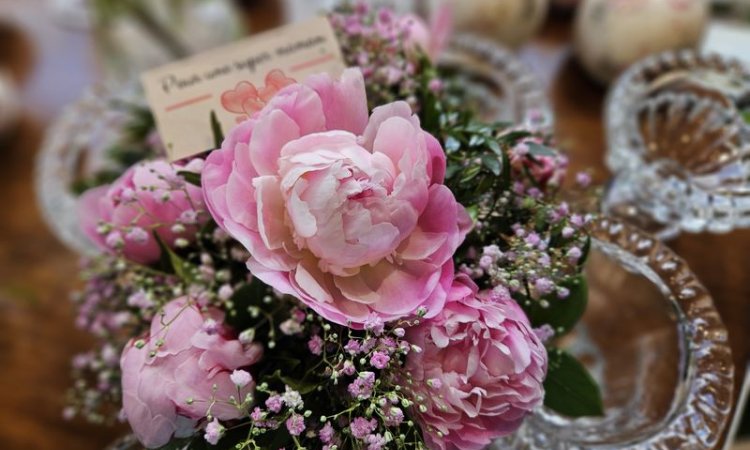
(56, 53)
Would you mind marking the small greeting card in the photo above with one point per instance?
(234, 82)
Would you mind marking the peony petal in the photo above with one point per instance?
(398, 139)
(239, 196)
(344, 101)
(270, 204)
(307, 278)
(271, 133)
(302, 219)
(380, 115)
(437, 159)
(302, 104)
(421, 245)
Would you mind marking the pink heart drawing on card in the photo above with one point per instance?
(234, 100)
(252, 105)
(276, 80)
(245, 99)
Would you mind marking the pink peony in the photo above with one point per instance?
(348, 215)
(168, 383)
(485, 366)
(149, 197)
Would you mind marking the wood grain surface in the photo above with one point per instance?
(37, 336)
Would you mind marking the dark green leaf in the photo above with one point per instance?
(470, 173)
(191, 177)
(452, 170)
(585, 252)
(476, 140)
(173, 263)
(561, 314)
(514, 136)
(569, 388)
(177, 444)
(473, 211)
(485, 185)
(495, 147)
(250, 294)
(505, 178)
(540, 150)
(218, 133)
(492, 162)
(452, 144)
(302, 386)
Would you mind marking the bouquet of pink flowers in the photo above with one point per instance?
(360, 265)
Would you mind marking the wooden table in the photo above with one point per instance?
(37, 336)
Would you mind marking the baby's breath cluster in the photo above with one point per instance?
(340, 391)
(374, 39)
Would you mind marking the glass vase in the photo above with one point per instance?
(497, 84)
(75, 147)
(656, 345)
(679, 144)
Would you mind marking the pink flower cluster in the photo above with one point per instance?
(184, 372)
(480, 371)
(346, 213)
(544, 170)
(150, 197)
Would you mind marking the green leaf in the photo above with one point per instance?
(485, 184)
(506, 175)
(452, 144)
(302, 386)
(452, 170)
(492, 162)
(540, 150)
(196, 442)
(191, 177)
(495, 147)
(473, 211)
(569, 388)
(177, 444)
(172, 262)
(514, 136)
(218, 133)
(561, 314)
(250, 294)
(585, 252)
(746, 115)
(476, 140)
(470, 173)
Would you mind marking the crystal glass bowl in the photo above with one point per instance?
(678, 144)
(502, 88)
(74, 146)
(653, 340)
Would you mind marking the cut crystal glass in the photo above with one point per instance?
(501, 87)
(679, 144)
(75, 146)
(656, 345)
